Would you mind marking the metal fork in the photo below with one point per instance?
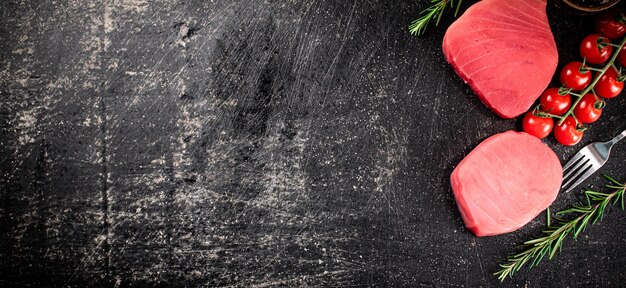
(587, 161)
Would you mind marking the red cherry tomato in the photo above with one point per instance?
(610, 26)
(608, 86)
(568, 133)
(573, 76)
(537, 126)
(590, 49)
(555, 103)
(589, 108)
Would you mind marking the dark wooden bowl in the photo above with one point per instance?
(588, 6)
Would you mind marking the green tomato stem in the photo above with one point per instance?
(546, 114)
(576, 94)
(592, 69)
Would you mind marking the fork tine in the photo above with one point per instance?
(581, 179)
(575, 168)
(587, 161)
(578, 172)
(574, 159)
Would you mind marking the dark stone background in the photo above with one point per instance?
(256, 143)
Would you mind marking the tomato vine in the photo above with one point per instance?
(581, 97)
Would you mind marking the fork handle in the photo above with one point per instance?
(618, 137)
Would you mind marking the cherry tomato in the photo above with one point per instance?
(608, 86)
(589, 108)
(555, 103)
(590, 49)
(568, 133)
(610, 26)
(537, 126)
(573, 76)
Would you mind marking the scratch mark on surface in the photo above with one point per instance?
(463, 116)
(344, 39)
(480, 263)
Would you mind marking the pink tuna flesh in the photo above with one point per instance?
(505, 182)
(504, 49)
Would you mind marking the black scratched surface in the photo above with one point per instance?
(256, 144)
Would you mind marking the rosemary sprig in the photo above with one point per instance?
(436, 9)
(570, 221)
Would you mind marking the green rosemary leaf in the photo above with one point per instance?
(534, 241)
(575, 209)
(582, 225)
(557, 245)
(580, 216)
(597, 193)
(434, 12)
(544, 250)
(458, 6)
(612, 180)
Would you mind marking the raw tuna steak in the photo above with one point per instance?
(505, 182)
(504, 49)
